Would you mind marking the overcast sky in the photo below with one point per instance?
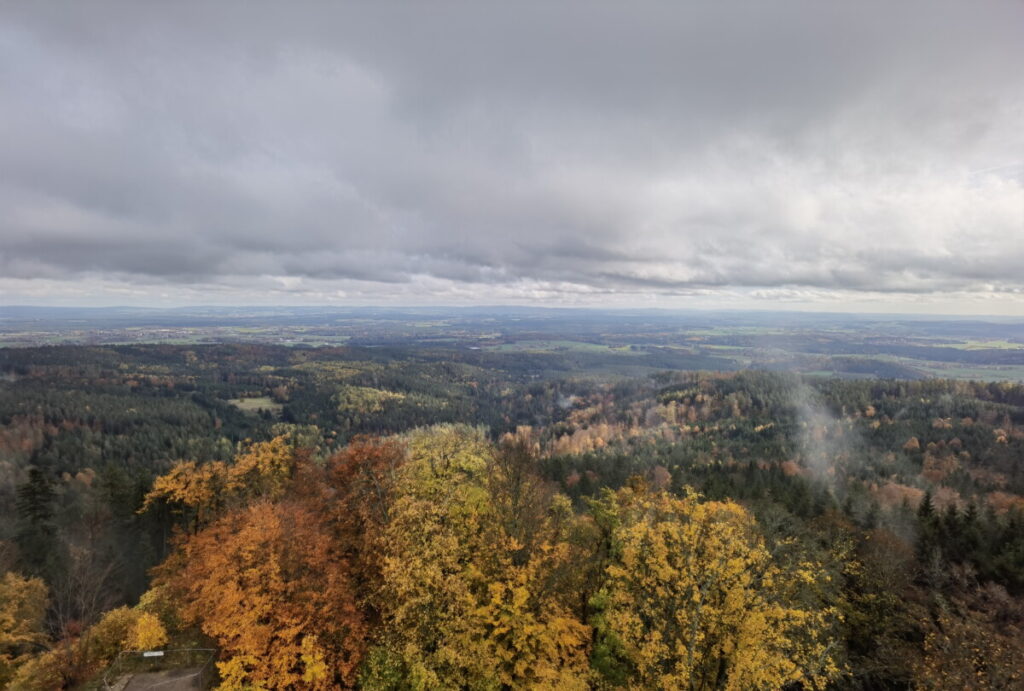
(766, 154)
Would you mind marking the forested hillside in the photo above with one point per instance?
(390, 518)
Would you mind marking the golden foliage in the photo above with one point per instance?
(147, 633)
(44, 672)
(22, 608)
(110, 636)
(693, 600)
(464, 606)
(262, 470)
(190, 485)
(159, 601)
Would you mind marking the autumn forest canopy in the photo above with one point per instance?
(433, 518)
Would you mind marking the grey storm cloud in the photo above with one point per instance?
(533, 150)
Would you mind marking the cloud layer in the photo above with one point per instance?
(558, 153)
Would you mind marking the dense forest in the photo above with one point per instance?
(434, 518)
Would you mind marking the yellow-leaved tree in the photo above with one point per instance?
(147, 633)
(22, 608)
(466, 602)
(191, 488)
(77, 659)
(694, 600)
(203, 491)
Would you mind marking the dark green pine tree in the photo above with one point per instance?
(926, 509)
(36, 538)
(35, 498)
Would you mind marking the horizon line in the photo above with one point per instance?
(581, 308)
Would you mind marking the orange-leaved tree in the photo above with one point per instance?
(267, 569)
(268, 583)
(359, 492)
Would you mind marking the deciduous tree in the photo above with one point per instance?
(268, 583)
(22, 609)
(692, 601)
(466, 604)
